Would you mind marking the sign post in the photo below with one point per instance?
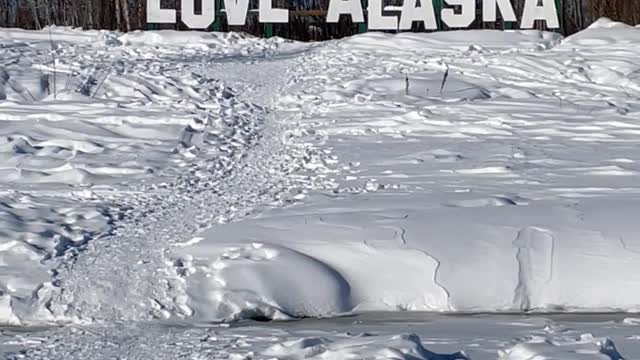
(437, 6)
(362, 27)
(268, 30)
(217, 24)
(560, 17)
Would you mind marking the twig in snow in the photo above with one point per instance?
(68, 82)
(53, 56)
(33, 98)
(406, 86)
(4, 78)
(20, 90)
(444, 79)
(103, 80)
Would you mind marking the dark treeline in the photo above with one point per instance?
(129, 15)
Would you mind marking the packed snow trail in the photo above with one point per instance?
(241, 163)
(233, 154)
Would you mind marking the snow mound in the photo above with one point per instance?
(606, 23)
(605, 32)
(262, 281)
(369, 268)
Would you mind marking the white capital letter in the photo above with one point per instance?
(462, 20)
(547, 12)
(489, 10)
(236, 11)
(202, 21)
(347, 7)
(270, 15)
(411, 12)
(157, 15)
(379, 22)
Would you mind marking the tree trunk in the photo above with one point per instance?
(125, 15)
(142, 14)
(117, 2)
(4, 9)
(89, 11)
(34, 11)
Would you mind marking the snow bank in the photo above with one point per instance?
(452, 40)
(608, 53)
(407, 257)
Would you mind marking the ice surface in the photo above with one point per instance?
(371, 336)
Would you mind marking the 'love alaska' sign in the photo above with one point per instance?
(411, 11)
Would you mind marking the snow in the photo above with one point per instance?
(181, 179)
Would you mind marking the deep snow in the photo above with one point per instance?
(203, 177)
